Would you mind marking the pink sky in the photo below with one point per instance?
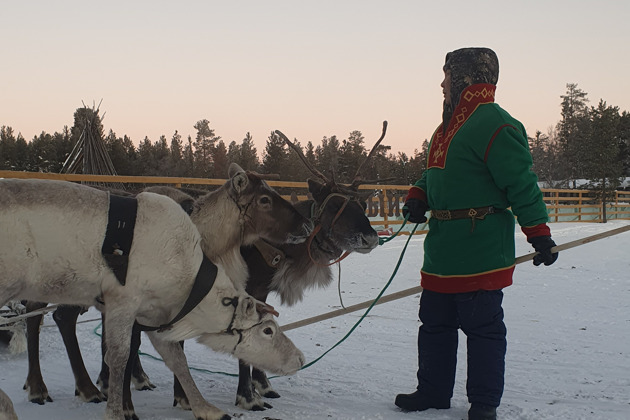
(310, 69)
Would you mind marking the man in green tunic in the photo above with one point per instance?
(478, 166)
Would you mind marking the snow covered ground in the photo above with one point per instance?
(568, 346)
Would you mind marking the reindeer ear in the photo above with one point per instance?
(250, 307)
(317, 190)
(238, 177)
(264, 308)
(234, 169)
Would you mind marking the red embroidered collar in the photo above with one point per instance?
(471, 98)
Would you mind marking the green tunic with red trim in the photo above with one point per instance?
(481, 160)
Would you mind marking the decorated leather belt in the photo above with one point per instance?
(471, 213)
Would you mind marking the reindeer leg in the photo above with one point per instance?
(103, 376)
(257, 380)
(179, 396)
(246, 396)
(175, 359)
(66, 319)
(133, 353)
(35, 386)
(139, 378)
(262, 385)
(119, 323)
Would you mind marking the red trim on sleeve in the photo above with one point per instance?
(496, 133)
(417, 193)
(535, 231)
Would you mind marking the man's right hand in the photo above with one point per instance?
(416, 209)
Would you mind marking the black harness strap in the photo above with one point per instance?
(121, 221)
(204, 281)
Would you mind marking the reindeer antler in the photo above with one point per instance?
(266, 177)
(302, 157)
(358, 180)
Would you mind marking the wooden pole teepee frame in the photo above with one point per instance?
(89, 153)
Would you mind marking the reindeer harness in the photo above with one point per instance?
(121, 221)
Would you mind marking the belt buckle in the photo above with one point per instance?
(472, 213)
(444, 215)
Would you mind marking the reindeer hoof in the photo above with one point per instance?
(183, 402)
(90, 394)
(226, 417)
(271, 394)
(37, 393)
(142, 383)
(96, 399)
(41, 400)
(251, 402)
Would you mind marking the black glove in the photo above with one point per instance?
(416, 209)
(543, 245)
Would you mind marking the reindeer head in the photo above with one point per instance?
(339, 211)
(256, 338)
(265, 214)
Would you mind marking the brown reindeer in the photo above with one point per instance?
(341, 226)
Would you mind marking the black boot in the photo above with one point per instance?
(419, 402)
(482, 412)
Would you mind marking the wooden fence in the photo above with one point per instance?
(384, 208)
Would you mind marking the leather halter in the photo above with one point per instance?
(227, 301)
(318, 226)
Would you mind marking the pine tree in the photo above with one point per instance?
(574, 111)
(327, 156)
(177, 155)
(8, 141)
(189, 158)
(122, 152)
(248, 158)
(146, 158)
(600, 156)
(220, 160)
(275, 157)
(204, 148)
(162, 157)
(351, 154)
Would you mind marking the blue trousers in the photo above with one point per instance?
(480, 316)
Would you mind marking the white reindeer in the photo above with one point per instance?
(6, 407)
(51, 252)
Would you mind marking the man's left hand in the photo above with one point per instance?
(543, 245)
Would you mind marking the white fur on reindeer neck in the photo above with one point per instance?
(212, 307)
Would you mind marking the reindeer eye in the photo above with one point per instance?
(268, 331)
(265, 200)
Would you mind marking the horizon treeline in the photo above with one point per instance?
(589, 142)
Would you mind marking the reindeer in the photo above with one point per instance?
(52, 251)
(6, 407)
(341, 227)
